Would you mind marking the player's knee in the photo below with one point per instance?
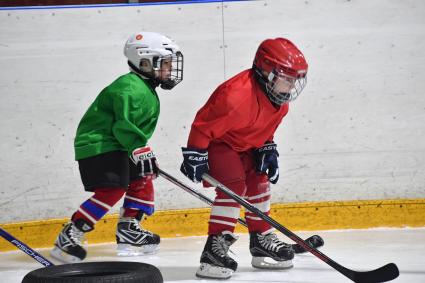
(141, 184)
(238, 187)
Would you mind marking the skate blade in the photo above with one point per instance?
(63, 257)
(129, 250)
(269, 263)
(214, 272)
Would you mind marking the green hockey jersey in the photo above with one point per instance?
(122, 117)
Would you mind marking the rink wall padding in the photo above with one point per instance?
(193, 222)
(356, 133)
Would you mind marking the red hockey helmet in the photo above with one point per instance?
(282, 69)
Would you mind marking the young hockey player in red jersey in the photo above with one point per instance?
(112, 152)
(232, 139)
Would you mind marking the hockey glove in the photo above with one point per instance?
(195, 163)
(146, 161)
(266, 161)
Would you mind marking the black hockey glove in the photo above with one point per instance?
(195, 163)
(266, 161)
(146, 161)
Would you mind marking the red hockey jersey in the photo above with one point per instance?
(239, 114)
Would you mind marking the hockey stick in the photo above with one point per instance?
(38, 257)
(314, 240)
(385, 273)
(191, 191)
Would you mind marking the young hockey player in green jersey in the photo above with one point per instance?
(112, 153)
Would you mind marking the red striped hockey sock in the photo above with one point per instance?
(98, 205)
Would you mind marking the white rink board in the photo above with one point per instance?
(356, 132)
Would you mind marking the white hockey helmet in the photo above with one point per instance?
(148, 51)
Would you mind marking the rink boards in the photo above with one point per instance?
(193, 222)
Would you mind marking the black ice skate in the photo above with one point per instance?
(133, 240)
(68, 246)
(269, 252)
(215, 262)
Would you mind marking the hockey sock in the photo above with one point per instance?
(134, 213)
(258, 194)
(225, 211)
(98, 205)
(222, 218)
(139, 197)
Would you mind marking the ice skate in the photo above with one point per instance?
(268, 252)
(133, 240)
(69, 243)
(215, 262)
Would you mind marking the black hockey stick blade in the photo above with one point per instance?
(382, 274)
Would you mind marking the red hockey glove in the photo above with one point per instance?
(146, 161)
(266, 161)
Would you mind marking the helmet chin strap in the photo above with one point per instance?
(152, 80)
(263, 84)
(260, 78)
(167, 86)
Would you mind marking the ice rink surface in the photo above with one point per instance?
(178, 258)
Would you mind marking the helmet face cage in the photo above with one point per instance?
(174, 74)
(292, 87)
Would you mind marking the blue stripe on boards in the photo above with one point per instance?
(116, 5)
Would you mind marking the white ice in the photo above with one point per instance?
(178, 258)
